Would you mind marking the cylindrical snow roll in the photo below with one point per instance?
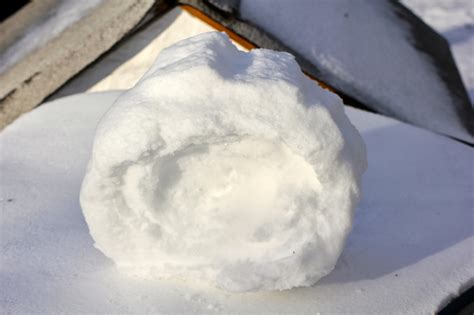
(226, 166)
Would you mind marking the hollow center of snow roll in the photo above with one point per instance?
(198, 192)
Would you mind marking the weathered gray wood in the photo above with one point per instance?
(27, 83)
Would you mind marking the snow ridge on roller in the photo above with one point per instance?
(225, 166)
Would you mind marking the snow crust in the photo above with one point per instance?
(227, 166)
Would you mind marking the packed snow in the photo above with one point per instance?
(227, 166)
(413, 228)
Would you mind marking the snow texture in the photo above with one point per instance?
(65, 14)
(410, 249)
(226, 166)
(362, 49)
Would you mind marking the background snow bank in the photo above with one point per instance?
(366, 50)
(413, 229)
(453, 19)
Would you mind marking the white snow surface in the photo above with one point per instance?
(65, 14)
(363, 38)
(227, 166)
(410, 249)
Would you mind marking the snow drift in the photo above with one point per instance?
(226, 166)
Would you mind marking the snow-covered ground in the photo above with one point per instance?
(409, 252)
